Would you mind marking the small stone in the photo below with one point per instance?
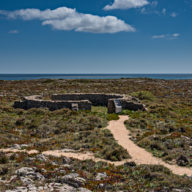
(16, 146)
(68, 150)
(24, 145)
(73, 179)
(24, 171)
(13, 178)
(62, 171)
(42, 158)
(40, 188)
(83, 190)
(32, 188)
(101, 176)
(101, 185)
(66, 160)
(26, 180)
(18, 189)
(43, 170)
(67, 188)
(67, 166)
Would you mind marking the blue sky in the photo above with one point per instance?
(78, 36)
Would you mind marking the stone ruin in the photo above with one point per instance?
(36, 101)
(82, 101)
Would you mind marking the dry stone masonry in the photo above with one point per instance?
(81, 101)
(37, 102)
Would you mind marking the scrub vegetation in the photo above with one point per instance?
(165, 130)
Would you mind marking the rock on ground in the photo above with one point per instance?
(72, 179)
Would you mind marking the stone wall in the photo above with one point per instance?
(130, 103)
(97, 99)
(37, 102)
(84, 101)
(111, 106)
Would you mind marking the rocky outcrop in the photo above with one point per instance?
(29, 176)
(72, 179)
(49, 187)
(29, 173)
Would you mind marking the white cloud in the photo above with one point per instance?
(164, 11)
(154, 3)
(29, 14)
(173, 14)
(64, 18)
(151, 9)
(13, 32)
(176, 35)
(166, 36)
(126, 4)
(158, 36)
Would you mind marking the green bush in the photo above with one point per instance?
(112, 117)
(3, 171)
(144, 95)
(3, 159)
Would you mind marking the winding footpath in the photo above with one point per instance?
(138, 154)
(82, 156)
(123, 138)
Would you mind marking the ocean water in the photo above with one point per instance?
(92, 76)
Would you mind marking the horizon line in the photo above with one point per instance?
(175, 73)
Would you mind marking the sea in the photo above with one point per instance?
(93, 76)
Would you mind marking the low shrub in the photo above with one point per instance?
(144, 95)
(112, 117)
(3, 158)
(4, 171)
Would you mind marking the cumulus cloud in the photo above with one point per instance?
(126, 4)
(13, 32)
(30, 14)
(166, 36)
(64, 18)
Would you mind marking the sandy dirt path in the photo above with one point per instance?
(10, 150)
(122, 136)
(59, 153)
(82, 156)
(138, 154)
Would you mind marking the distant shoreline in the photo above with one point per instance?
(171, 76)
